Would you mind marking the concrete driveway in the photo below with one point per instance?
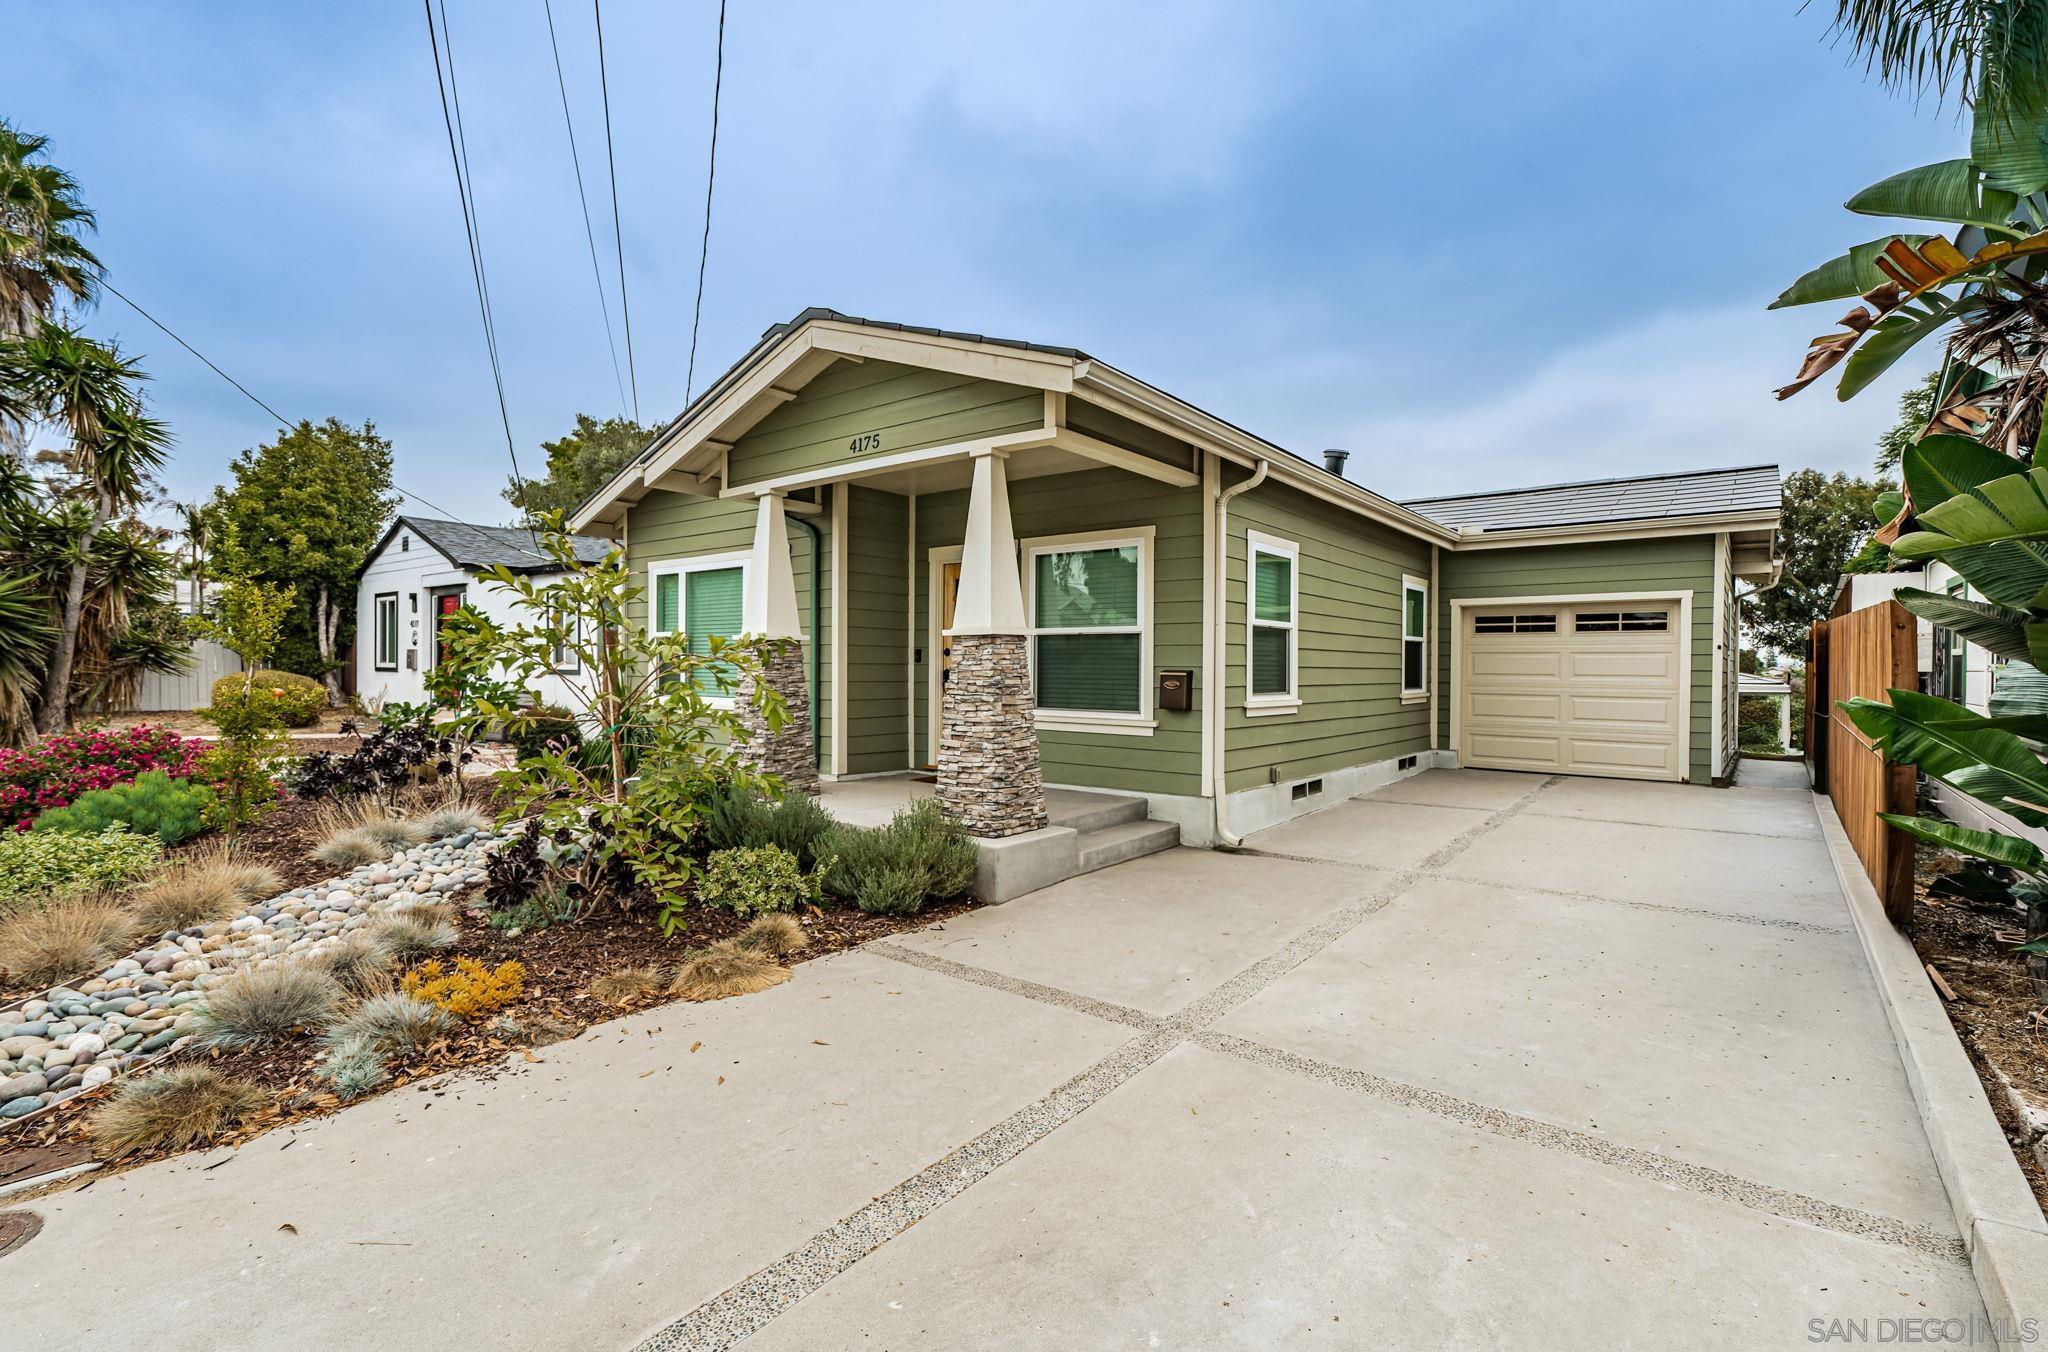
(1480, 1059)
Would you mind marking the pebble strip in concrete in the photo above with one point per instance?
(749, 1305)
(1791, 1206)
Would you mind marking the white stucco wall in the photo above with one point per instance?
(417, 572)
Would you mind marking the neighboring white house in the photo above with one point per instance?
(421, 572)
(1750, 686)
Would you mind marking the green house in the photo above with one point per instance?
(1020, 571)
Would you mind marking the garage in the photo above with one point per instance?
(1589, 687)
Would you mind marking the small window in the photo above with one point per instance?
(1087, 627)
(701, 599)
(384, 631)
(1271, 662)
(1622, 621)
(1414, 636)
(566, 657)
(405, 544)
(1514, 624)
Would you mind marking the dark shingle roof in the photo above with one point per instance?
(512, 547)
(1749, 488)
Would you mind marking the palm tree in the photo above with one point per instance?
(57, 375)
(42, 224)
(196, 519)
(1986, 51)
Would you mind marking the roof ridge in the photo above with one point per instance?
(1594, 483)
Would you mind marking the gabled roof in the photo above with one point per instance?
(471, 546)
(1650, 497)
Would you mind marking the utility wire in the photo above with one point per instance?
(458, 154)
(589, 235)
(710, 179)
(618, 239)
(282, 421)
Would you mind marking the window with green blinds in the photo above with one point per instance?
(1414, 637)
(713, 604)
(1088, 635)
(1271, 638)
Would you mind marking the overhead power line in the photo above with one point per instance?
(589, 235)
(710, 180)
(282, 421)
(618, 239)
(458, 154)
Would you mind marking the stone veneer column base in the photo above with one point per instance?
(989, 780)
(790, 753)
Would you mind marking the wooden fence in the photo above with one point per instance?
(1864, 654)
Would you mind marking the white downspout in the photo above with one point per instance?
(1219, 655)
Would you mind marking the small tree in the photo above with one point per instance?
(661, 745)
(247, 619)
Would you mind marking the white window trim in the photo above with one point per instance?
(1418, 694)
(378, 660)
(1255, 544)
(1140, 723)
(679, 569)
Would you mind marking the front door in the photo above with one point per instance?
(949, 597)
(445, 604)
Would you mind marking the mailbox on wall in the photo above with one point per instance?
(1177, 690)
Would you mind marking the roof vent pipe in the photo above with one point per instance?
(1333, 461)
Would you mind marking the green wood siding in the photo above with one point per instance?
(1680, 563)
(877, 632)
(907, 407)
(1118, 430)
(1348, 630)
(1731, 638)
(1170, 759)
(666, 526)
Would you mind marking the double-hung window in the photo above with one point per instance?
(1414, 637)
(566, 657)
(1089, 612)
(701, 599)
(1273, 659)
(384, 624)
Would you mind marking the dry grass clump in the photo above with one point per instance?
(778, 935)
(408, 936)
(205, 884)
(263, 1003)
(71, 935)
(358, 964)
(393, 1024)
(726, 969)
(175, 1108)
(630, 985)
(361, 830)
(452, 821)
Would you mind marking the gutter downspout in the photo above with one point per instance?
(1219, 655)
(817, 594)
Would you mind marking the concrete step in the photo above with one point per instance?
(1125, 840)
(1085, 812)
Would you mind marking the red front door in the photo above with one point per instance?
(445, 605)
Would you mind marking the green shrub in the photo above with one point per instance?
(542, 725)
(39, 864)
(151, 804)
(735, 819)
(919, 855)
(754, 880)
(295, 700)
(1756, 723)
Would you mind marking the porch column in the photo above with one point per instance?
(989, 777)
(768, 611)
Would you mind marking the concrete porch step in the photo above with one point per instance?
(1126, 840)
(1086, 811)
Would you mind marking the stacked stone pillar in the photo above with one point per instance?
(989, 776)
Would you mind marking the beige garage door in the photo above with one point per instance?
(1582, 689)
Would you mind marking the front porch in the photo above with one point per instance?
(1084, 831)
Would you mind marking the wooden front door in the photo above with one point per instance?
(949, 597)
(446, 604)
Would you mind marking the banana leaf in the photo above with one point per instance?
(1885, 507)
(1999, 849)
(1999, 629)
(1950, 191)
(1996, 535)
(1938, 467)
(2021, 688)
(1852, 274)
(2005, 136)
(1950, 743)
(1897, 333)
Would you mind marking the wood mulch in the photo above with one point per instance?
(1995, 1014)
(559, 964)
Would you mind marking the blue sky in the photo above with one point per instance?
(1477, 244)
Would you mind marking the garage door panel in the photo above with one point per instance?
(1573, 696)
(1518, 662)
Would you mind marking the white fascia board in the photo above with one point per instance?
(1641, 529)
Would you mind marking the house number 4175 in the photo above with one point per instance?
(865, 442)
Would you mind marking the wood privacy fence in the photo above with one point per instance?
(1864, 654)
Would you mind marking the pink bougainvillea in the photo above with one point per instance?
(60, 768)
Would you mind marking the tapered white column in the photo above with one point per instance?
(991, 597)
(989, 775)
(768, 611)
